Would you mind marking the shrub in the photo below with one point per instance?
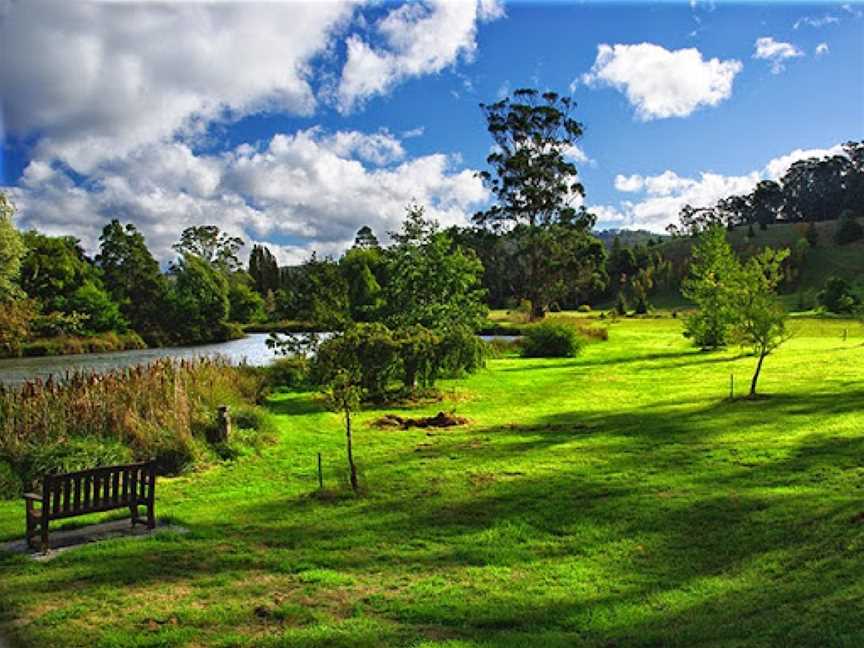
(584, 308)
(621, 304)
(837, 296)
(849, 230)
(10, 482)
(498, 347)
(460, 351)
(551, 340)
(289, 373)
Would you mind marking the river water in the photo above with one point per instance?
(252, 349)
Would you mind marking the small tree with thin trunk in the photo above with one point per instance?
(761, 319)
(344, 396)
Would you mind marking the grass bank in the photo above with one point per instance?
(617, 498)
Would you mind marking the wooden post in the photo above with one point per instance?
(224, 423)
(320, 474)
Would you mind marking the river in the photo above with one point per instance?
(251, 349)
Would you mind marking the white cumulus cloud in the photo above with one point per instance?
(95, 80)
(821, 49)
(775, 52)
(662, 83)
(313, 188)
(416, 39)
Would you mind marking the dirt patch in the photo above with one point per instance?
(440, 420)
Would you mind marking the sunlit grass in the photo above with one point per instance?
(618, 498)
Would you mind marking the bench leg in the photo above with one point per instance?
(45, 544)
(133, 513)
(151, 516)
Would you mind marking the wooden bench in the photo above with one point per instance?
(91, 491)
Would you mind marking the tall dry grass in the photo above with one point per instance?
(162, 410)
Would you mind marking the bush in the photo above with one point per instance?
(837, 296)
(288, 373)
(551, 340)
(10, 482)
(849, 230)
(460, 351)
(584, 308)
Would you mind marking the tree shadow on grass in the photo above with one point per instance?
(723, 551)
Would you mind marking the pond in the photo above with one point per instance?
(252, 349)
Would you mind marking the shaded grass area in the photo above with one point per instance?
(613, 499)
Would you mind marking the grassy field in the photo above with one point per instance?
(615, 499)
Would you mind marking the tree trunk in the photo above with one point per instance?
(756, 375)
(352, 468)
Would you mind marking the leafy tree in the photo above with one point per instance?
(366, 239)
(134, 280)
(200, 301)
(57, 274)
(431, 282)
(361, 267)
(16, 317)
(766, 202)
(344, 395)
(621, 265)
(212, 245)
(244, 303)
(264, 270)
(837, 296)
(11, 251)
(101, 312)
(760, 319)
(536, 185)
(714, 271)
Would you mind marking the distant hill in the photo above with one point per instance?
(629, 237)
(825, 260)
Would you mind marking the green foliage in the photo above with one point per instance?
(848, 229)
(245, 305)
(10, 482)
(291, 372)
(199, 300)
(621, 306)
(551, 340)
(11, 251)
(536, 186)
(16, 317)
(375, 357)
(429, 282)
(368, 354)
(211, 245)
(760, 321)
(264, 270)
(133, 279)
(361, 267)
(56, 274)
(318, 293)
(838, 297)
(100, 312)
(714, 270)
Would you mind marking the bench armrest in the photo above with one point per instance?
(33, 497)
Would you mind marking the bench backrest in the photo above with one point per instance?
(98, 489)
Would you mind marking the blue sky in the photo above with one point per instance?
(295, 124)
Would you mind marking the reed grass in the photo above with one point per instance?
(162, 410)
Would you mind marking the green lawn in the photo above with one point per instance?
(615, 499)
